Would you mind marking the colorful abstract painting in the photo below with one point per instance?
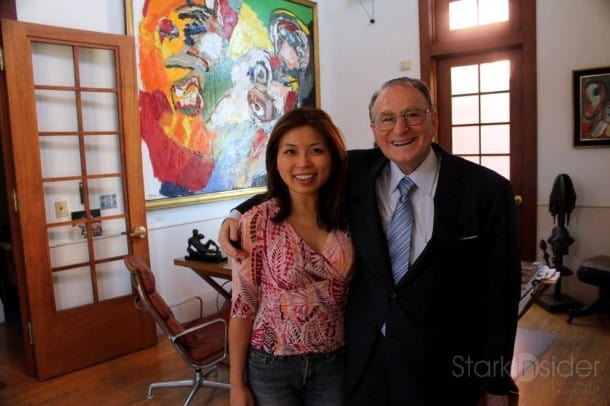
(592, 107)
(214, 77)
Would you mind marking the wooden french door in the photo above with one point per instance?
(482, 118)
(78, 196)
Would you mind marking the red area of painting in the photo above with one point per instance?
(196, 173)
(259, 142)
(291, 101)
(171, 162)
(229, 18)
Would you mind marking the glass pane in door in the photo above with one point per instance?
(110, 280)
(465, 110)
(64, 149)
(100, 111)
(465, 140)
(96, 67)
(53, 64)
(495, 139)
(103, 154)
(72, 288)
(62, 200)
(56, 111)
(111, 239)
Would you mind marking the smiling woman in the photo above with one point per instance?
(289, 294)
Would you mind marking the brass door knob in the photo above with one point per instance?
(139, 232)
(518, 200)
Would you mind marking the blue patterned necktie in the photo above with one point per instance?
(399, 231)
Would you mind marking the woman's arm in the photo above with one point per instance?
(244, 303)
(239, 339)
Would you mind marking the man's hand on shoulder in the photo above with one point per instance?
(228, 238)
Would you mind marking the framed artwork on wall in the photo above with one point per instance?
(214, 76)
(592, 107)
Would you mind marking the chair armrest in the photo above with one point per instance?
(188, 300)
(137, 302)
(203, 325)
(198, 327)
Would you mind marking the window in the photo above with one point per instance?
(471, 13)
(480, 114)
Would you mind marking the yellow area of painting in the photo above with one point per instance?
(249, 33)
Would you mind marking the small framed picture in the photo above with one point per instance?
(592, 107)
(108, 201)
(96, 226)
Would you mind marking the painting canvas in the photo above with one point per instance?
(214, 77)
(592, 107)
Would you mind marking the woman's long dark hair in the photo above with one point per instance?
(331, 210)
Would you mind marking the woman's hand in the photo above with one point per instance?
(241, 396)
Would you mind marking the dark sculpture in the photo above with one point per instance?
(545, 254)
(199, 251)
(561, 203)
(562, 200)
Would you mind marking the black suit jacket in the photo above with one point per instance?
(454, 314)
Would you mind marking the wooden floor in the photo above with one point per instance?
(573, 371)
(123, 381)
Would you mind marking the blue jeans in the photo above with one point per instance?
(299, 380)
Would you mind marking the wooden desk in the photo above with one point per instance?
(208, 270)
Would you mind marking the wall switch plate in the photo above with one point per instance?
(405, 65)
(61, 209)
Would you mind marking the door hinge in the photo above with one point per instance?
(1, 59)
(15, 201)
(30, 333)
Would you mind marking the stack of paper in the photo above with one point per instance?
(534, 276)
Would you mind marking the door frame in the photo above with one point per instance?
(8, 10)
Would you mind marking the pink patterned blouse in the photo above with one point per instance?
(295, 295)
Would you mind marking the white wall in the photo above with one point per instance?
(572, 36)
(355, 58)
(100, 15)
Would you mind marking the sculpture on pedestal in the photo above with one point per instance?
(561, 203)
(199, 251)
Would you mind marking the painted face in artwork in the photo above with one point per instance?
(180, 43)
(189, 41)
(199, 49)
(594, 95)
(290, 39)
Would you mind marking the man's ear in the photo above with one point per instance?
(434, 120)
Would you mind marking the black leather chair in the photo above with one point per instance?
(595, 271)
(202, 342)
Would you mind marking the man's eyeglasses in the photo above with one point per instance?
(386, 122)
